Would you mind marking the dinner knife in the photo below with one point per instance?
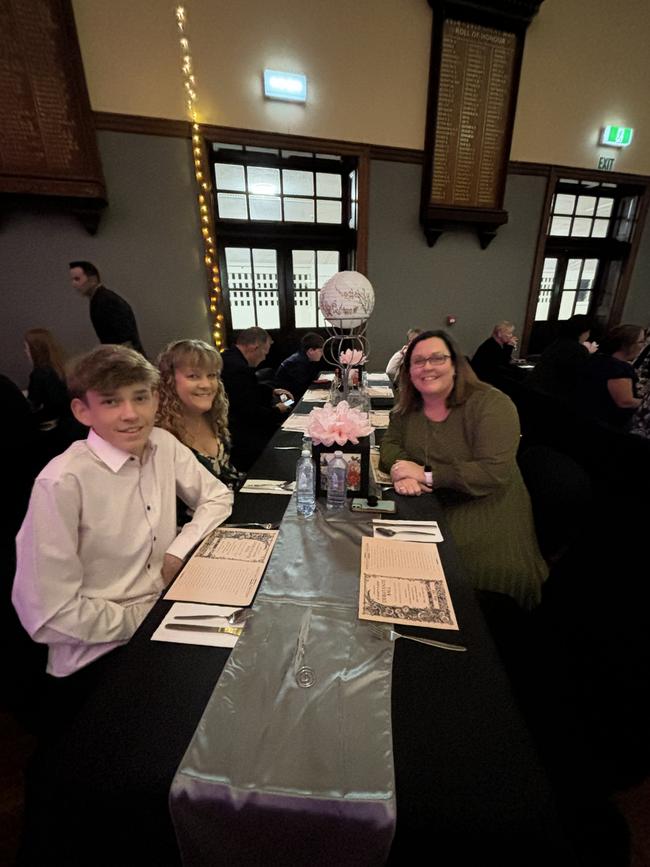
(191, 627)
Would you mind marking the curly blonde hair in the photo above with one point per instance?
(198, 354)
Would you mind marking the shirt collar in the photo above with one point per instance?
(113, 457)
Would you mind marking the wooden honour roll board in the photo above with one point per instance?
(474, 91)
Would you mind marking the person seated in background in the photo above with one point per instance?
(99, 542)
(494, 354)
(47, 392)
(393, 366)
(193, 405)
(299, 370)
(255, 409)
(607, 389)
(558, 370)
(457, 436)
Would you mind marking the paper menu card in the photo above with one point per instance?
(380, 391)
(296, 422)
(404, 582)
(226, 568)
(379, 418)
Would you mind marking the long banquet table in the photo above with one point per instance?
(469, 785)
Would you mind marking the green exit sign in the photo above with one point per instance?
(616, 136)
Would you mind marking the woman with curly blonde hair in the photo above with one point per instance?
(194, 407)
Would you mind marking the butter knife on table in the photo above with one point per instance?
(192, 627)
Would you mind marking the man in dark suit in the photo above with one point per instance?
(111, 316)
(255, 408)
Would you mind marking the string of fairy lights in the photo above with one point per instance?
(203, 185)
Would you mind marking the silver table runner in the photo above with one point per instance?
(281, 768)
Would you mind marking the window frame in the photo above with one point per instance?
(286, 236)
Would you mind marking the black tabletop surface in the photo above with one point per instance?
(469, 783)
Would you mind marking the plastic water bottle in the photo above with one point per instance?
(337, 473)
(305, 484)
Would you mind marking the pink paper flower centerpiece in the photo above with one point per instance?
(337, 424)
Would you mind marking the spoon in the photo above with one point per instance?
(235, 619)
(386, 531)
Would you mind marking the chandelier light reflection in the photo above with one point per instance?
(202, 177)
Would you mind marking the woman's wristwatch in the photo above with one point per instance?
(428, 476)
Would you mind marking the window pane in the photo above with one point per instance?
(328, 185)
(564, 204)
(224, 146)
(566, 305)
(586, 206)
(299, 210)
(263, 181)
(560, 226)
(581, 227)
(582, 303)
(604, 208)
(232, 206)
(548, 273)
(230, 177)
(328, 265)
(297, 183)
(328, 211)
(328, 157)
(543, 304)
(238, 267)
(304, 270)
(265, 208)
(268, 310)
(588, 273)
(254, 150)
(600, 229)
(572, 274)
(305, 308)
(242, 309)
(265, 264)
(305, 154)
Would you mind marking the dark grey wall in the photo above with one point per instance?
(147, 249)
(418, 286)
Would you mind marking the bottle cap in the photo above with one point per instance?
(338, 454)
(372, 499)
(306, 452)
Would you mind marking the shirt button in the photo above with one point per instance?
(154, 538)
(148, 508)
(148, 565)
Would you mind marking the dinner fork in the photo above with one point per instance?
(385, 632)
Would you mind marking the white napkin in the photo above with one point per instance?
(181, 636)
(267, 486)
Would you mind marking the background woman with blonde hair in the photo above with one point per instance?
(194, 406)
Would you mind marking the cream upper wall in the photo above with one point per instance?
(367, 62)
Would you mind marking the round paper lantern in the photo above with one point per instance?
(347, 299)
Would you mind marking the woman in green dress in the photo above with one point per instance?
(457, 436)
(194, 406)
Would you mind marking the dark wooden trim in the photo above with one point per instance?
(363, 208)
(624, 282)
(538, 263)
(396, 155)
(115, 122)
(134, 123)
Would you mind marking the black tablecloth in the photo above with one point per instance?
(469, 785)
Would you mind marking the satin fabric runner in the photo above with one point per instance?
(281, 768)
